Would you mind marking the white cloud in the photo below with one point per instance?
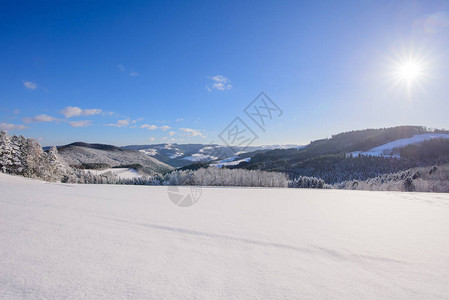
(123, 122)
(7, 126)
(179, 120)
(44, 118)
(171, 133)
(220, 83)
(73, 111)
(91, 112)
(83, 123)
(192, 132)
(39, 118)
(30, 85)
(136, 120)
(123, 69)
(120, 123)
(151, 139)
(149, 127)
(154, 127)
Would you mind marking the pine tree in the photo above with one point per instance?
(54, 164)
(34, 159)
(16, 155)
(5, 153)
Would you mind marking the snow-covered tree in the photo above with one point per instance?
(55, 168)
(17, 155)
(226, 177)
(34, 158)
(6, 158)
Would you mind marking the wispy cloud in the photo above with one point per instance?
(151, 139)
(171, 133)
(219, 82)
(137, 120)
(123, 69)
(149, 127)
(83, 123)
(179, 120)
(154, 127)
(120, 123)
(74, 111)
(39, 119)
(30, 85)
(8, 126)
(192, 132)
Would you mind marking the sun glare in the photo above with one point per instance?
(409, 71)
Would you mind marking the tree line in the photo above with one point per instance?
(25, 157)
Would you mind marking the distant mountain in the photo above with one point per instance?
(86, 155)
(354, 155)
(181, 155)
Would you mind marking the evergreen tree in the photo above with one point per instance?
(6, 159)
(16, 155)
(55, 166)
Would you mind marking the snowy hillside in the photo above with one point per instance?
(104, 241)
(82, 153)
(390, 149)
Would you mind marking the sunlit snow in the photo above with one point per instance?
(387, 150)
(60, 241)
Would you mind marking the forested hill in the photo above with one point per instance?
(90, 155)
(327, 158)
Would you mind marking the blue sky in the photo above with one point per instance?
(139, 72)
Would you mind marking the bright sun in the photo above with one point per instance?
(409, 71)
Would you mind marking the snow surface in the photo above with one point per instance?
(387, 150)
(64, 241)
(123, 173)
(230, 162)
(149, 151)
(200, 157)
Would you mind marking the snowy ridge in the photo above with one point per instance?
(388, 150)
(64, 241)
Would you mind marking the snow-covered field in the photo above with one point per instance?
(62, 241)
(123, 173)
